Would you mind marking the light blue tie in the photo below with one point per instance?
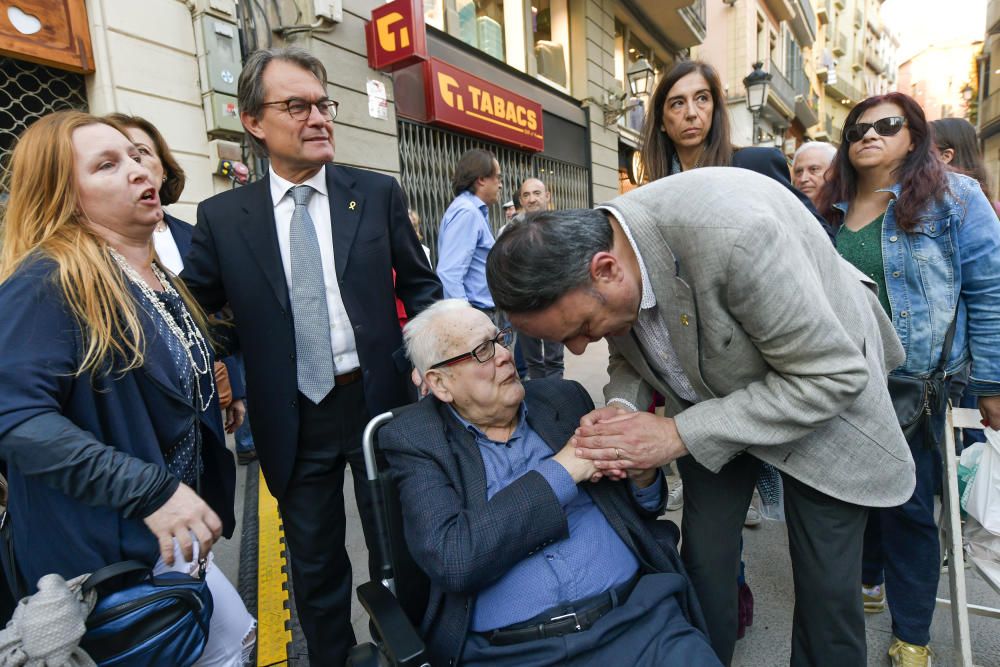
(313, 352)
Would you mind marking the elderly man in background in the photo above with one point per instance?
(543, 358)
(717, 289)
(529, 563)
(809, 166)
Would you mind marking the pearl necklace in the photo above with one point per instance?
(190, 335)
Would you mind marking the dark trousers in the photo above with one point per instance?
(543, 358)
(902, 549)
(312, 512)
(648, 630)
(824, 541)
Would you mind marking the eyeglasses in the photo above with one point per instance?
(300, 109)
(482, 352)
(886, 127)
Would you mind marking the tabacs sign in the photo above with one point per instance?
(396, 36)
(465, 102)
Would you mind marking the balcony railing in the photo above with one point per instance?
(782, 89)
(843, 89)
(696, 13)
(804, 24)
(875, 61)
(839, 43)
(989, 113)
(993, 17)
(859, 19)
(824, 10)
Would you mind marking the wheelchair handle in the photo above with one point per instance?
(368, 444)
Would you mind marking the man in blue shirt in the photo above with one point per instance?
(465, 238)
(529, 563)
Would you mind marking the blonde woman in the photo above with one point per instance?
(109, 418)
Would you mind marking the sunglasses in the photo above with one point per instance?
(886, 127)
(484, 351)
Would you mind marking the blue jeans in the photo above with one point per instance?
(902, 547)
(243, 436)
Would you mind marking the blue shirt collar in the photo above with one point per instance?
(522, 424)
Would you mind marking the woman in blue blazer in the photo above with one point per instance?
(172, 240)
(109, 418)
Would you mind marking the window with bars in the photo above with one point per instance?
(428, 156)
(28, 92)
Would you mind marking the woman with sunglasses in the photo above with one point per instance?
(931, 242)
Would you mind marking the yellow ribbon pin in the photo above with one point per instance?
(684, 320)
(352, 205)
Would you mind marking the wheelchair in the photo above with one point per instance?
(396, 601)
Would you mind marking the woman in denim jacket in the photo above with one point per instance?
(931, 240)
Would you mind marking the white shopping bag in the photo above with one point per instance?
(984, 489)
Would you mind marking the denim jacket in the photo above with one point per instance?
(952, 254)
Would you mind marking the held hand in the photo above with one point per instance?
(579, 469)
(989, 408)
(235, 414)
(637, 440)
(602, 414)
(183, 514)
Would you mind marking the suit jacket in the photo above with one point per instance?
(775, 331)
(771, 163)
(464, 542)
(235, 260)
(182, 233)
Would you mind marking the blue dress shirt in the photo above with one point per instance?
(593, 559)
(464, 240)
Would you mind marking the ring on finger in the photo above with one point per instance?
(618, 454)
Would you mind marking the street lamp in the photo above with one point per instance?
(756, 83)
(640, 77)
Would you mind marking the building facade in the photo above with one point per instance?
(938, 78)
(988, 107)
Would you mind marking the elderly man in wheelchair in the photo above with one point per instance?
(529, 561)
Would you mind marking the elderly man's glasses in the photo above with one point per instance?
(886, 127)
(482, 352)
(300, 109)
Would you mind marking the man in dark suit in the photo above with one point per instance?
(529, 563)
(304, 258)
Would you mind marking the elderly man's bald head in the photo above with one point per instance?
(430, 336)
(534, 196)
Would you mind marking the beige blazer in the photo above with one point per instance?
(776, 332)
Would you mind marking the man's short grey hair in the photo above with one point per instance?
(250, 93)
(828, 149)
(422, 335)
(544, 256)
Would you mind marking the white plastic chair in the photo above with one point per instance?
(951, 529)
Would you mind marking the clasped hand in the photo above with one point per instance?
(624, 443)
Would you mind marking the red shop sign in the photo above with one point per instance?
(396, 36)
(465, 102)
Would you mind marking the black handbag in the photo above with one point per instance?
(917, 400)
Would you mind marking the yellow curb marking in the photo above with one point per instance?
(273, 616)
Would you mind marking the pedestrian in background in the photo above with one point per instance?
(809, 167)
(172, 241)
(543, 358)
(465, 237)
(305, 257)
(931, 241)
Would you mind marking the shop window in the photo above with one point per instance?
(550, 31)
(480, 23)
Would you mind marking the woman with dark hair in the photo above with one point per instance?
(172, 241)
(930, 240)
(959, 148)
(687, 127)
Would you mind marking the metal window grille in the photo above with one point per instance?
(28, 92)
(427, 159)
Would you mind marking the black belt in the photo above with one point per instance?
(348, 378)
(563, 620)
